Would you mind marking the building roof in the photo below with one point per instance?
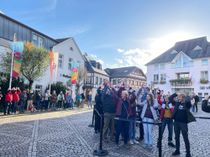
(123, 71)
(194, 48)
(91, 68)
(62, 39)
(34, 30)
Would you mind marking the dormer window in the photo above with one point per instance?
(174, 52)
(197, 48)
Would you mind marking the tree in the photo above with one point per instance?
(35, 61)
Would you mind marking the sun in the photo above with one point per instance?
(161, 44)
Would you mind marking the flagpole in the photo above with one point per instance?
(12, 62)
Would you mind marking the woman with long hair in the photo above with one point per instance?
(148, 115)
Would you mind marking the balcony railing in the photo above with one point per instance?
(181, 82)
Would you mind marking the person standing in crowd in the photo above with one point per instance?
(30, 106)
(109, 100)
(166, 117)
(98, 107)
(90, 99)
(69, 100)
(192, 103)
(61, 100)
(196, 102)
(46, 100)
(148, 115)
(82, 97)
(182, 116)
(132, 116)
(23, 100)
(16, 98)
(160, 99)
(8, 102)
(53, 100)
(206, 104)
(141, 100)
(122, 126)
(38, 98)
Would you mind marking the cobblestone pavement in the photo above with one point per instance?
(66, 135)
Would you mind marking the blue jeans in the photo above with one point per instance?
(148, 131)
(132, 128)
(169, 123)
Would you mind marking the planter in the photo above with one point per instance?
(204, 81)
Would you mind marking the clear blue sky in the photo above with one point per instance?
(118, 32)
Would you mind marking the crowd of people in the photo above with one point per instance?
(121, 108)
(27, 100)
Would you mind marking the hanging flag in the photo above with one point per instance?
(17, 48)
(74, 72)
(53, 63)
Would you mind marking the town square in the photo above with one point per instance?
(113, 78)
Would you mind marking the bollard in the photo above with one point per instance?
(160, 140)
(93, 116)
(100, 151)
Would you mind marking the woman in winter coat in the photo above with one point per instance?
(122, 126)
(149, 115)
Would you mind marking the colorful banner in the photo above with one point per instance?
(17, 48)
(74, 72)
(53, 63)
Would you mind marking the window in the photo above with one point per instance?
(37, 40)
(71, 48)
(40, 42)
(204, 61)
(100, 81)
(70, 64)
(34, 39)
(204, 75)
(183, 75)
(162, 77)
(60, 61)
(96, 80)
(114, 82)
(156, 78)
(161, 66)
(182, 61)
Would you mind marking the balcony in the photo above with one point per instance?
(204, 81)
(181, 82)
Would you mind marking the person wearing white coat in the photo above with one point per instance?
(149, 115)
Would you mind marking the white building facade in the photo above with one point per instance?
(183, 68)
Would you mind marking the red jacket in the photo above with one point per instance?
(9, 97)
(16, 97)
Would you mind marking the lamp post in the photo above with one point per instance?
(12, 62)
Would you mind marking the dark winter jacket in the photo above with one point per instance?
(122, 108)
(183, 115)
(109, 100)
(205, 106)
(98, 105)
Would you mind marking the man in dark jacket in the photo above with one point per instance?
(109, 101)
(205, 104)
(182, 117)
(98, 110)
(196, 98)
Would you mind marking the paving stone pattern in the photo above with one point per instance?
(70, 136)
